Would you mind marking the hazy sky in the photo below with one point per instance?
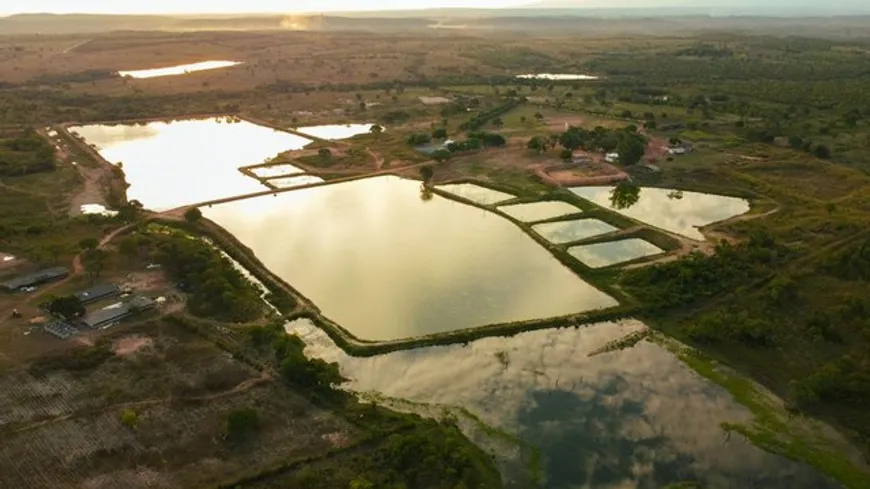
(234, 6)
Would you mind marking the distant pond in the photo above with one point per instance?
(178, 69)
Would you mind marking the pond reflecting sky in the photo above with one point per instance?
(170, 164)
(179, 69)
(612, 252)
(539, 211)
(636, 418)
(386, 264)
(661, 208)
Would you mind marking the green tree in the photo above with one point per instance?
(439, 133)
(426, 173)
(441, 155)
(497, 122)
(566, 154)
(572, 139)
(822, 151)
(192, 215)
(624, 195)
(538, 143)
(796, 142)
(129, 418)
(376, 129)
(242, 423)
(324, 153)
(94, 261)
(89, 243)
(68, 307)
(631, 150)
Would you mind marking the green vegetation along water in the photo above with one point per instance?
(387, 264)
(676, 211)
(637, 417)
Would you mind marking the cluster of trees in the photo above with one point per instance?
(480, 119)
(697, 277)
(846, 379)
(418, 139)
(853, 263)
(312, 374)
(630, 145)
(241, 424)
(68, 307)
(217, 289)
(742, 326)
(24, 154)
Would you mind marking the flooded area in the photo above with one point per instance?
(179, 69)
(287, 182)
(336, 131)
(672, 210)
(401, 266)
(539, 211)
(635, 418)
(613, 252)
(170, 164)
(282, 170)
(568, 231)
(476, 193)
(558, 76)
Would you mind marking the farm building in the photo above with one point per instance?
(33, 279)
(612, 157)
(98, 292)
(111, 315)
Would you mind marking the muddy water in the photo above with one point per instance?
(386, 264)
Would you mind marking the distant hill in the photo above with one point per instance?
(528, 20)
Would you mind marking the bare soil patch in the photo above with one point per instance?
(131, 344)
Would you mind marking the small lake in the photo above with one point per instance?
(336, 131)
(539, 211)
(675, 211)
(636, 418)
(286, 182)
(476, 193)
(568, 231)
(558, 76)
(386, 264)
(282, 170)
(612, 252)
(179, 69)
(170, 164)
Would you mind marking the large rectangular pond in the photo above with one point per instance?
(386, 264)
(170, 164)
(671, 210)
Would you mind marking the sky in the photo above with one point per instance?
(234, 6)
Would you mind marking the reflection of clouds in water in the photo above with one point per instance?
(567, 231)
(680, 216)
(399, 267)
(476, 193)
(538, 211)
(634, 418)
(612, 252)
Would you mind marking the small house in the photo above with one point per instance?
(611, 157)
